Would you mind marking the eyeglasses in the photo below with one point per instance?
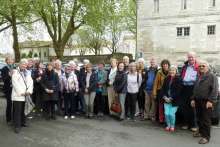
(202, 66)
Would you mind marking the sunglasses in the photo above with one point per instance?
(202, 66)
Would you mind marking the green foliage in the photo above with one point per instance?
(30, 54)
(23, 55)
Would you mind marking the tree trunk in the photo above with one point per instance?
(59, 49)
(15, 36)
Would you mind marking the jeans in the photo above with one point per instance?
(89, 99)
(122, 97)
(170, 114)
(131, 104)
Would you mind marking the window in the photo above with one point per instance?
(211, 29)
(179, 31)
(184, 4)
(156, 6)
(213, 3)
(183, 31)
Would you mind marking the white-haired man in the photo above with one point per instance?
(22, 87)
(204, 95)
(189, 75)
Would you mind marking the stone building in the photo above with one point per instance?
(170, 28)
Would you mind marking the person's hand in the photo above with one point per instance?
(193, 104)
(86, 90)
(209, 105)
(27, 93)
(47, 90)
(23, 94)
(167, 100)
(38, 79)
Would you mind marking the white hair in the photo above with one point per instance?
(23, 61)
(204, 62)
(71, 63)
(86, 61)
(191, 53)
(125, 58)
(58, 62)
(141, 60)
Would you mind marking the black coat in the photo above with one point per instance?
(50, 80)
(92, 82)
(120, 83)
(7, 87)
(175, 89)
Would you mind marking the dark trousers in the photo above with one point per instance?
(141, 100)
(204, 118)
(9, 106)
(69, 104)
(80, 102)
(100, 102)
(18, 113)
(189, 113)
(49, 109)
(131, 104)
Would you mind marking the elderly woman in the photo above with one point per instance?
(50, 84)
(22, 86)
(70, 89)
(120, 87)
(158, 84)
(89, 83)
(171, 96)
(205, 93)
(110, 80)
(141, 94)
(134, 80)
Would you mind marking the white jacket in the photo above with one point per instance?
(19, 87)
(71, 83)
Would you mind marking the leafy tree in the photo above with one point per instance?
(13, 13)
(63, 17)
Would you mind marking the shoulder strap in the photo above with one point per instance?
(23, 79)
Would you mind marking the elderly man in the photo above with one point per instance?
(22, 87)
(6, 74)
(126, 62)
(189, 75)
(204, 95)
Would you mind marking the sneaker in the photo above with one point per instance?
(194, 129)
(203, 141)
(167, 129)
(184, 127)
(66, 117)
(72, 117)
(172, 129)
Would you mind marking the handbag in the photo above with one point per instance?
(116, 106)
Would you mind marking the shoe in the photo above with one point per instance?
(184, 127)
(196, 134)
(194, 129)
(72, 117)
(167, 129)
(24, 125)
(66, 117)
(17, 130)
(172, 129)
(203, 141)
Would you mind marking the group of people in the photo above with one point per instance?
(154, 92)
